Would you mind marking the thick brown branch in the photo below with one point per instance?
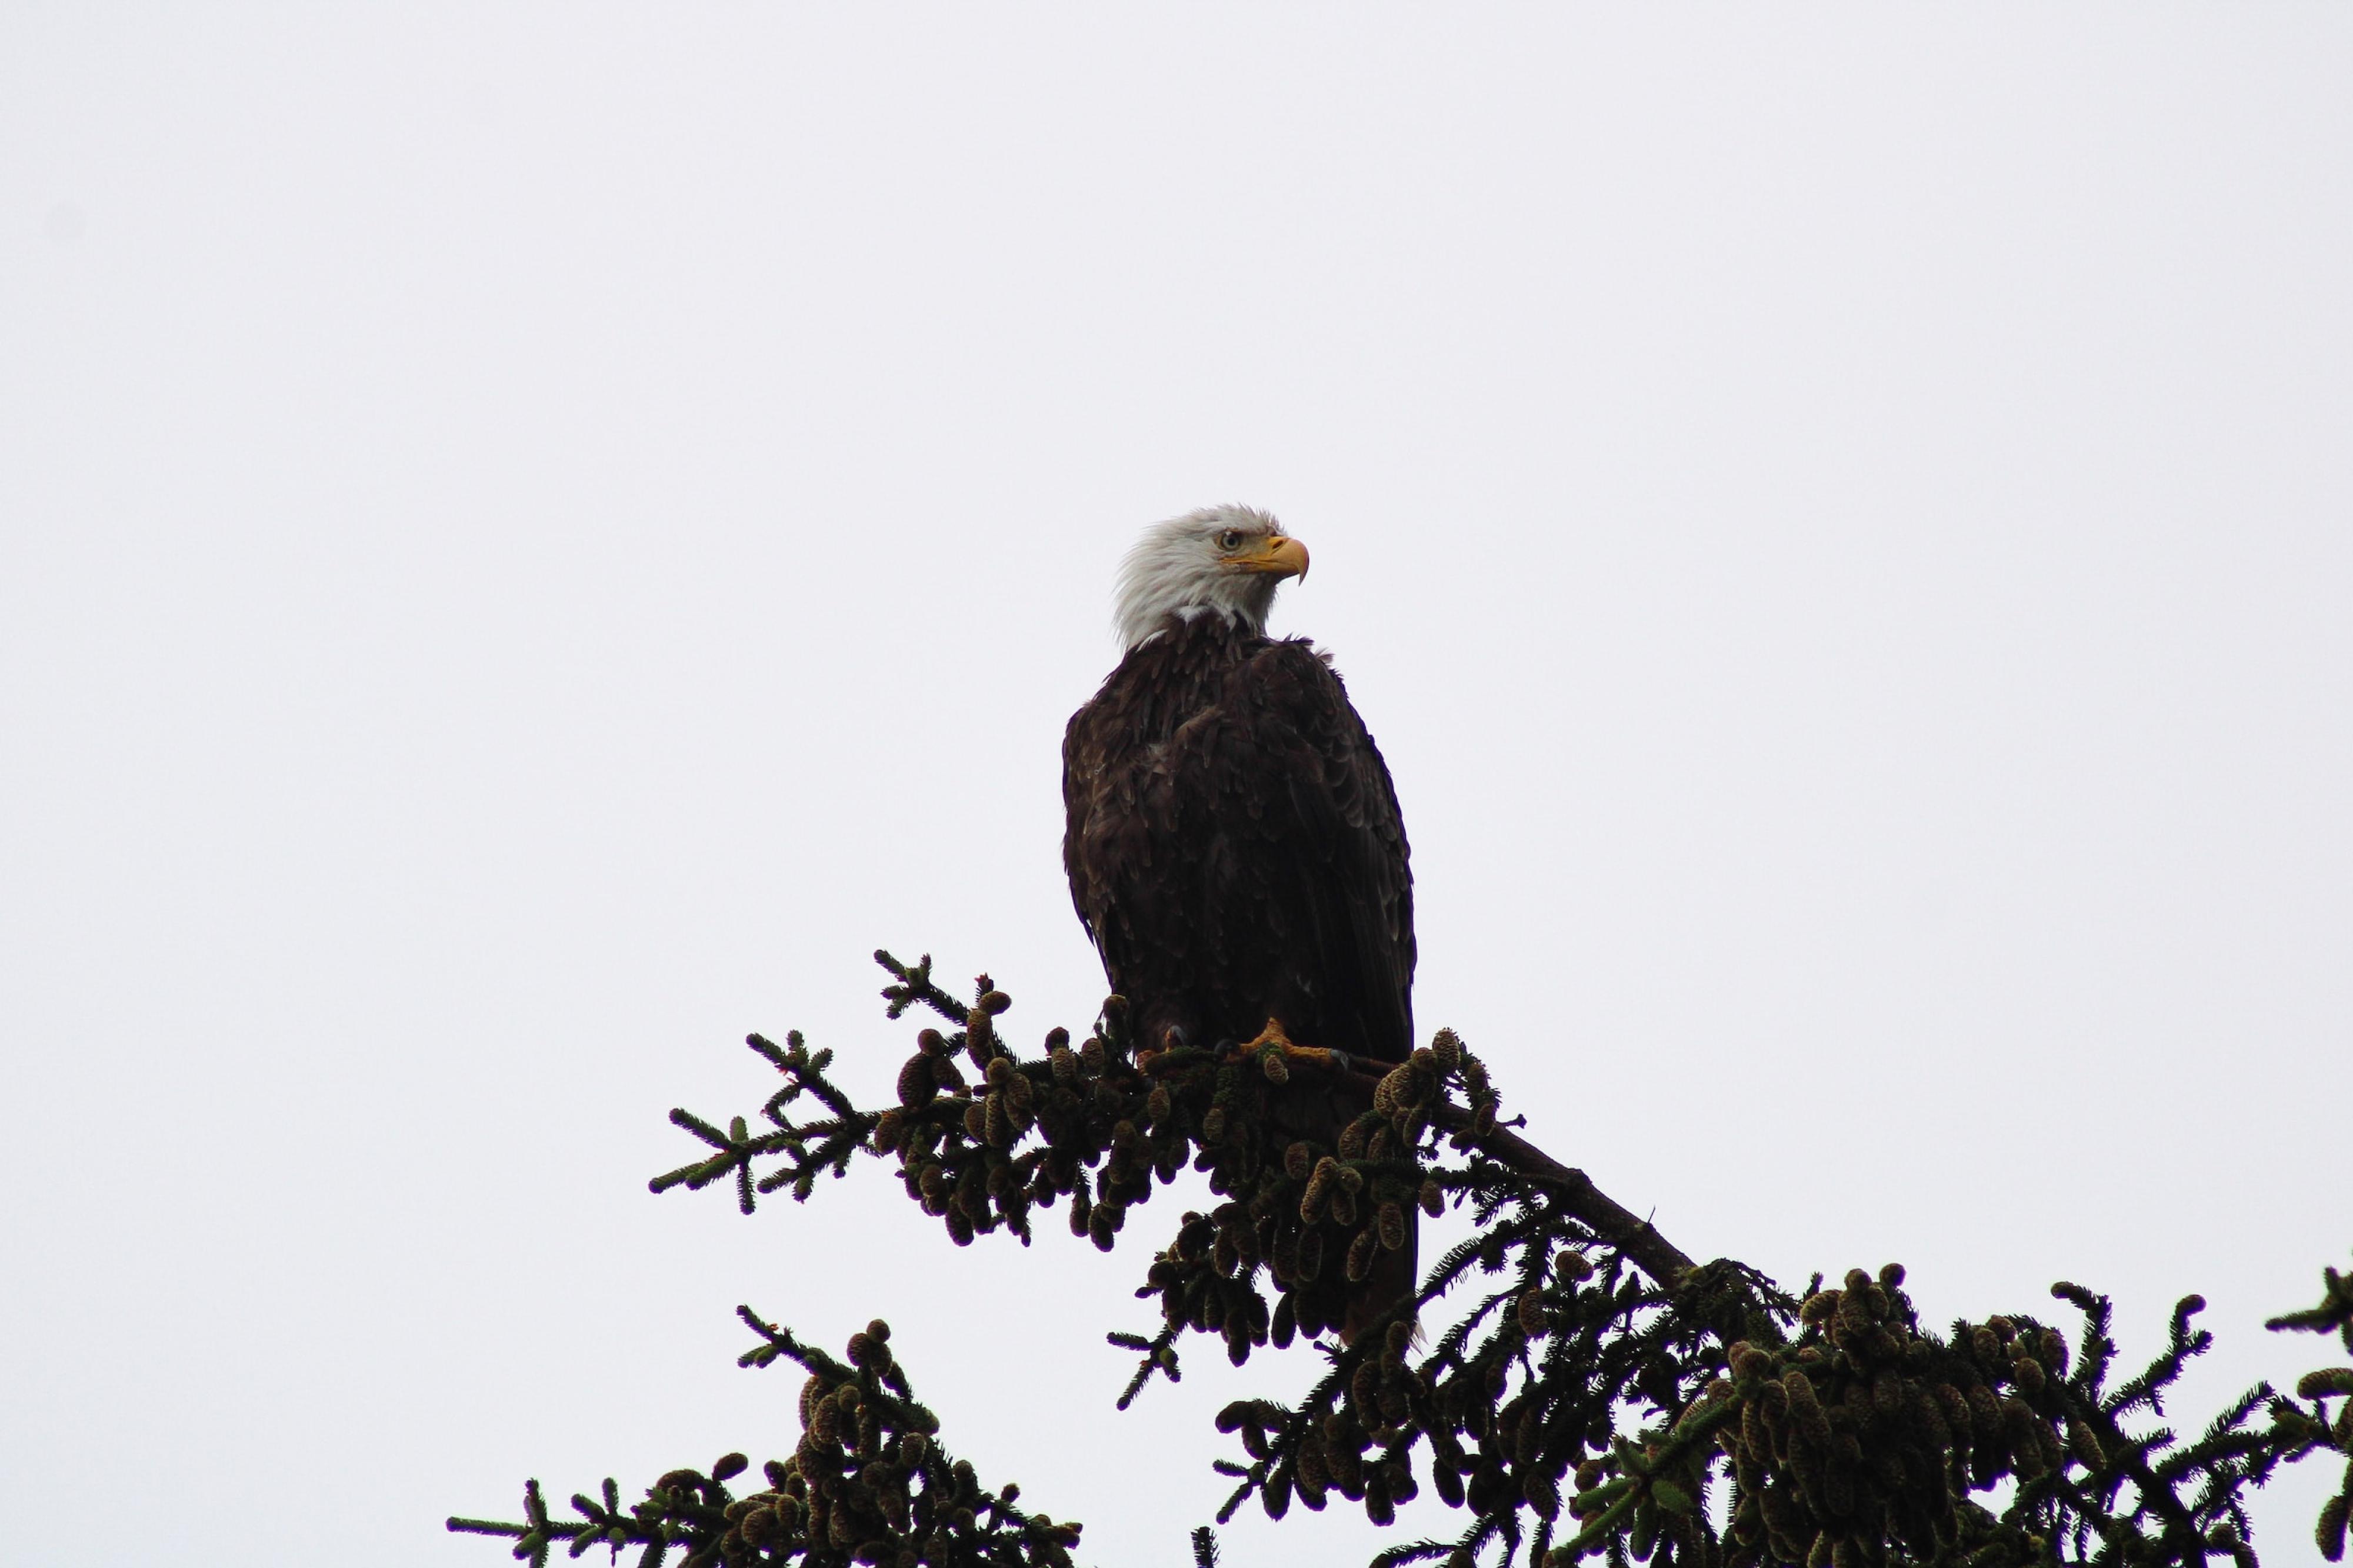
(1652, 1253)
(1665, 1262)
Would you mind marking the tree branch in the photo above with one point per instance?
(1662, 1259)
(1651, 1252)
(1564, 1393)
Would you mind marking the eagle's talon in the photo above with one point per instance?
(1273, 1037)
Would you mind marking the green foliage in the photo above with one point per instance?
(868, 1483)
(1568, 1379)
(2314, 1429)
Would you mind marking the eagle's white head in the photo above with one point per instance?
(1222, 560)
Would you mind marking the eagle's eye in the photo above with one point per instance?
(1230, 540)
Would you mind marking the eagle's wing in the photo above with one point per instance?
(1250, 863)
(1322, 845)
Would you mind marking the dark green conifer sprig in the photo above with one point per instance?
(2334, 1313)
(868, 1483)
(1585, 1388)
(807, 1150)
(1539, 1371)
(2315, 1427)
(1869, 1433)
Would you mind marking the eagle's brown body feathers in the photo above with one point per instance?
(1235, 850)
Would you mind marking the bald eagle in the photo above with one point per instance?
(1233, 843)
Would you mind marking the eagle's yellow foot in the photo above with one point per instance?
(1272, 1047)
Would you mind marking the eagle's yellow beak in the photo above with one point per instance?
(1278, 553)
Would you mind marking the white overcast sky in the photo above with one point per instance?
(532, 537)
